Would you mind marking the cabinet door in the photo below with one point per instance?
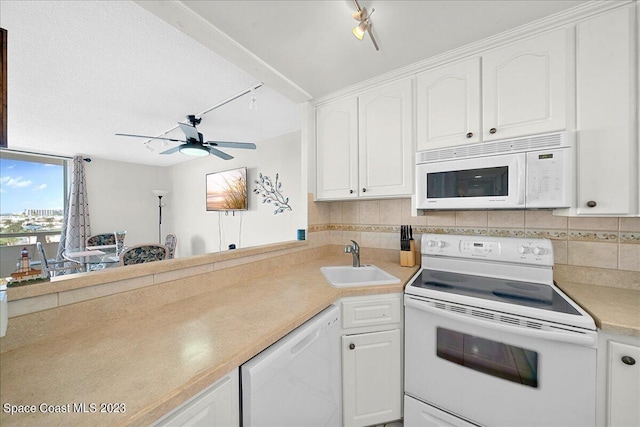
(448, 110)
(337, 149)
(371, 378)
(607, 162)
(624, 385)
(385, 141)
(524, 87)
(217, 406)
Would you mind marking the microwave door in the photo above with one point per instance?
(480, 183)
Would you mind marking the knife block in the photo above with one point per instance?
(408, 258)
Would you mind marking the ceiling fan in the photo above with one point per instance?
(365, 24)
(194, 144)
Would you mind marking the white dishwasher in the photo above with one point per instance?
(296, 381)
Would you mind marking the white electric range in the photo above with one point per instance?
(491, 340)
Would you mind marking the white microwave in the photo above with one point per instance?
(529, 172)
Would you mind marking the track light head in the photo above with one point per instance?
(360, 29)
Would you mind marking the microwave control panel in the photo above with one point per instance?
(549, 178)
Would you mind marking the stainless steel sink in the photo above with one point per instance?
(367, 275)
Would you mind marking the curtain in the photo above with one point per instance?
(75, 227)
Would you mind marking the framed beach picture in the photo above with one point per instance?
(227, 190)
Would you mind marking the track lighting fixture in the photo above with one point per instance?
(360, 29)
(365, 23)
(253, 104)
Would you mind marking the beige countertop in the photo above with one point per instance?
(153, 360)
(615, 310)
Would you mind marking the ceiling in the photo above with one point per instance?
(310, 42)
(81, 71)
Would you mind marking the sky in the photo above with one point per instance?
(30, 185)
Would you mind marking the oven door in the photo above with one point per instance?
(494, 373)
(478, 183)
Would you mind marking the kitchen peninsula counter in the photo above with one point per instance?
(154, 359)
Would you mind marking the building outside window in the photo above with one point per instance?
(32, 200)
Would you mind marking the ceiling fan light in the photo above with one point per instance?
(194, 150)
(359, 30)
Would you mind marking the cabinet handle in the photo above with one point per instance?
(364, 190)
(470, 135)
(591, 203)
(493, 130)
(627, 360)
(350, 191)
(352, 346)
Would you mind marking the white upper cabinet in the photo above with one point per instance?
(337, 149)
(386, 142)
(364, 144)
(516, 90)
(449, 105)
(606, 77)
(524, 87)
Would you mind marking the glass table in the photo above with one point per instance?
(94, 258)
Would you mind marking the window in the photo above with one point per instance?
(32, 198)
(490, 357)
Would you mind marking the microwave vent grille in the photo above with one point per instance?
(516, 145)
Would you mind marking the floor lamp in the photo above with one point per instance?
(160, 194)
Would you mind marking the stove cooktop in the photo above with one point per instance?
(533, 295)
(500, 274)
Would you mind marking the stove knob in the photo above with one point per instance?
(538, 250)
(523, 249)
(441, 244)
(431, 243)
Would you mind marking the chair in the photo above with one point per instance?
(101, 239)
(144, 253)
(171, 241)
(52, 268)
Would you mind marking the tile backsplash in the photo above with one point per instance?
(612, 243)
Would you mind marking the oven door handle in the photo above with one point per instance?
(567, 337)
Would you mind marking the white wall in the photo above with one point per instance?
(120, 198)
(199, 231)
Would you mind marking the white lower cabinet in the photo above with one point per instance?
(371, 360)
(623, 397)
(216, 406)
(618, 401)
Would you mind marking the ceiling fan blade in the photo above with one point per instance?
(171, 150)
(190, 131)
(230, 144)
(150, 137)
(371, 35)
(358, 8)
(219, 153)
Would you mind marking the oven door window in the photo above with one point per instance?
(490, 357)
(485, 182)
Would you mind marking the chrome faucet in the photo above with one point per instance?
(355, 251)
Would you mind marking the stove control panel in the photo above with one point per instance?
(503, 249)
(479, 247)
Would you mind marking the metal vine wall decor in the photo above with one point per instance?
(270, 191)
